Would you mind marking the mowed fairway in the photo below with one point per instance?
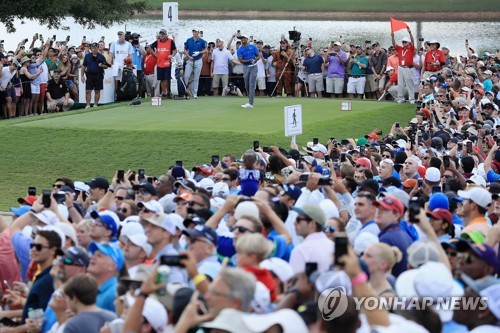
(84, 144)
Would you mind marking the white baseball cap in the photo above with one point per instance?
(140, 240)
(478, 195)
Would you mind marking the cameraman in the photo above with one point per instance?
(231, 89)
(92, 74)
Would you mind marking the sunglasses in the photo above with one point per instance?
(330, 229)
(386, 200)
(143, 192)
(68, 262)
(192, 203)
(57, 185)
(359, 165)
(119, 198)
(38, 247)
(226, 179)
(241, 229)
(282, 42)
(303, 218)
(366, 194)
(386, 156)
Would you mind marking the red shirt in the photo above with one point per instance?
(405, 55)
(149, 64)
(394, 78)
(432, 57)
(264, 276)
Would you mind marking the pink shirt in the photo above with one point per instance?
(10, 269)
(479, 224)
(315, 248)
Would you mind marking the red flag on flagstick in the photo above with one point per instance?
(397, 25)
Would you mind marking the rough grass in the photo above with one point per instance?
(85, 144)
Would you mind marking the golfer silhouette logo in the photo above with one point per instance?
(332, 303)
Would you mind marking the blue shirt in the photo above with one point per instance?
(107, 294)
(50, 318)
(21, 246)
(492, 176)
(313, 64)
(40, 292)
(137, 57)
(248, 52)
(249, 180)
(281, 249)
(195, 46)
(91, 63)
(393, 235)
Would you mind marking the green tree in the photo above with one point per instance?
(87, 13)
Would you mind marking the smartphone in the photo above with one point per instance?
(172, 260)
(446, 161)
(102, 38)
(32, 190)
(469, 147)
(256, 145)
(414, 210)
(8, 322)
(46, 198)
(420, 182)
(59, 197)
(140, 174)
(327, 158)
(332, 139)
(397, 125)
(342, 157)
(68, 38)
(421, 39)
(362, 150)
(120, 175)
(215, 160)
(344, 142)
(54, 38)
(150, 180)
(315, 141)
(341, 243)
(436, 189)
(460, 146)
(178, 163)
(311, 267)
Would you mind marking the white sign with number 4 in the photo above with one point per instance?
(170, 14)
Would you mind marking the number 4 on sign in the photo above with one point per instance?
(170, 14)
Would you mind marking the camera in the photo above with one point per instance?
(172, 260)
(294, 35)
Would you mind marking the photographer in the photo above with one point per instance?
(92, 74)
(231, 89)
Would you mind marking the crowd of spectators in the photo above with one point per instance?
(254, 243)
(45, 75)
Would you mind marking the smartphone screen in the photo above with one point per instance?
(446, 161)
(120, 175)
(215, 160)
(315, 141)
(327, 158)
(340, 248)
(469, 147)
(311, 267)
(140, 174)
(342, 157)
(31, 190)
(256, 145)
(46, 198)
(397, 125)
(414, 210)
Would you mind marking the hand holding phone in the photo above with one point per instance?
(341, 243)
(46, 198)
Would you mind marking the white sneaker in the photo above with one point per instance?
(195, 96)
(247, 106)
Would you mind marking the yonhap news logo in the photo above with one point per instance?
(332, 303)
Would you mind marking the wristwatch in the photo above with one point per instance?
(139, 292)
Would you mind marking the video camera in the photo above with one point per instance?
(294, 35)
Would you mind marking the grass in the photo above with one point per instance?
(338, 5)
(85, 144)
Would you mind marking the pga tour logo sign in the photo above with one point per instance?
(332, 303)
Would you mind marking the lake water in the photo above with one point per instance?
(482, 36)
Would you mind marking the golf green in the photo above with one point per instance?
(82, 144)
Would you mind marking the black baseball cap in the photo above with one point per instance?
(99, 182)
(202, 231)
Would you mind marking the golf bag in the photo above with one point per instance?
(127, 88)
(177, 85)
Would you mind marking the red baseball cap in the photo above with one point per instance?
(441, 213)
(364, 162)
(373, 136)
(391, 203)
(28, 200)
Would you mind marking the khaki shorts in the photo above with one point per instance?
(371, 85)
(381, 82)
(261, 83)
(224, 78)
(315, 82)
(334, 85)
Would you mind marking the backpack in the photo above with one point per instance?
(127, 89)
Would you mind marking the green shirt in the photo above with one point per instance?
(355, 69)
